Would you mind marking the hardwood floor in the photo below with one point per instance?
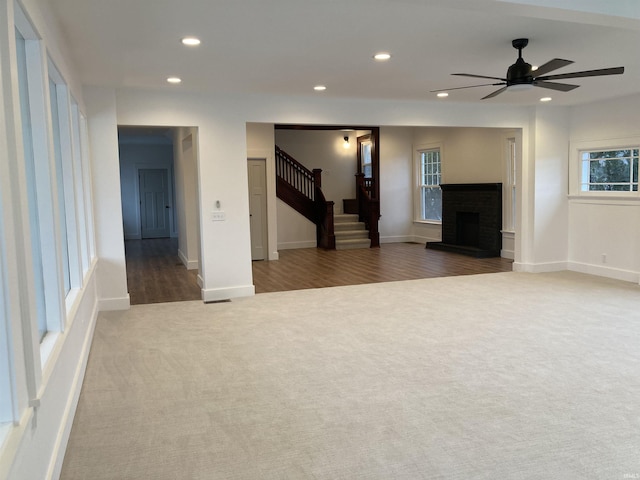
(155, 273)
(315, 268)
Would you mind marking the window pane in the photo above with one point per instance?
(55, 120)
(32, 191)
(609, 171)
(432, 204)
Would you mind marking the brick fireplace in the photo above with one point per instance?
(471, 219)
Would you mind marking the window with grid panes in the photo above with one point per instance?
(611, 170)
(430, 192)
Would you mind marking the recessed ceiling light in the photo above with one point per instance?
(443, 94)
(534, 68)
(382, 56)
(545, 99)
(174, 80)
(319, 88)
(191, 41)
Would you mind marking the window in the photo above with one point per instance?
(367, 165)
(430, 194)
(55, 122)
(6, 400)
(611, 170)
(510, 185)
(79, 184)
(32, 184)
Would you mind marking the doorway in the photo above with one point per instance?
(159, 193)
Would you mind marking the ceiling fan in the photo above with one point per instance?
(520, 75)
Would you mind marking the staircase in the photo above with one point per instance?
(350, 233)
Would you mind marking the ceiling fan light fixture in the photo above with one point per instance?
(519, 87)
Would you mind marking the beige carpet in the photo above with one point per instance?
(502, 376)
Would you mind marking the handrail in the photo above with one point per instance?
(301, 189)
(295, 174)
(368, 207)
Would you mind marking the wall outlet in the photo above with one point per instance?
(218, 216)
(604, 258)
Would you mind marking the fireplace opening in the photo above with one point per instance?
(468, 229)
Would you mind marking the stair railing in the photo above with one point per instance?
(301, 189)
(368, 207)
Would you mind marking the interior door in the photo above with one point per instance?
(154, 202)
(258, 208)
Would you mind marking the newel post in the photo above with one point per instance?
(317, 177)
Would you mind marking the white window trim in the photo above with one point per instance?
(575, 166)
(417, 149)
(88, 190)
(509, 181)
(68, 180)
(80, 197)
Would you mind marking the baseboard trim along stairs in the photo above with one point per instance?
(350, 233)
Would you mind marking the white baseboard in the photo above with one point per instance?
(274, 256)
(608, 272)
(62, 440)
(510, 254)
(200, 280)
(540, 267)
(219, 294)
(294, 245)
(109, 304)
(190, 264)
(422, 239)
(397, 239)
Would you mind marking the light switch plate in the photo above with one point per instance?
(218, 216)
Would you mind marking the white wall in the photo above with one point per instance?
(134, 156)
(550, 241)
(601, 226)
(396, 195)
(185, 141)
(103, 136)
(222, 173)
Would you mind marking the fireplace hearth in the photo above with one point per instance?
(471, 219)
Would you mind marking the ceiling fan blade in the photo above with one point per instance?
(586, 73)
(497, 92)
(562, 87)
(470, 86)
(479, 76)
(551, 65)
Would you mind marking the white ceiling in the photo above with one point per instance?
(285, 47)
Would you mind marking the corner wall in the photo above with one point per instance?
(604, 232)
